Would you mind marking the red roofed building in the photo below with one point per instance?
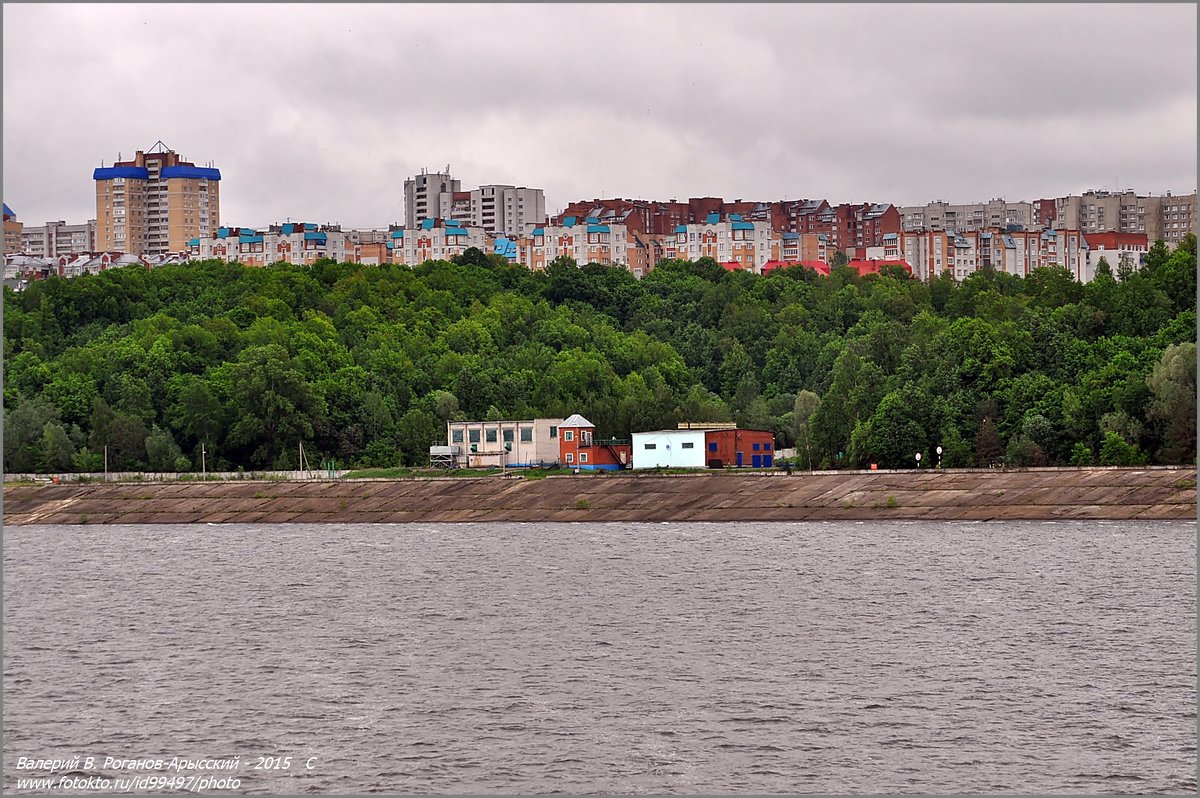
(819, 266)
(1119, 250)
(865, 267)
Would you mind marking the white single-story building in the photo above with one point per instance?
(669, 448)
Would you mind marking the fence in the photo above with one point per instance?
(170, 476)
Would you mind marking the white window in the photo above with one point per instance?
(570, 457)
(650, 446)
(582, 457)
(569, 435)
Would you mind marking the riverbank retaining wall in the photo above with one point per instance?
(971, 494)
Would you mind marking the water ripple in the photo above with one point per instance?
(638, 659)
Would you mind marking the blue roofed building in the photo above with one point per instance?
(155, 203)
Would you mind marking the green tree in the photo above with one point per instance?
(894, 434)
(1173, 386)
(24, 428)
(57, 449)
(273, 403)
(417, 431)
(988, 447)
(1116, 451)
(805, 406)
(162, 452)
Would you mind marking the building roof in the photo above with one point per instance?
(819, 266)
(873, 266)
(8, 212)
(133, 172)
(197, 172)
(576, 420)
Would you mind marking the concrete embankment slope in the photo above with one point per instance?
(1095, 493)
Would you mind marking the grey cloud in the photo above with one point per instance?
(323, 110)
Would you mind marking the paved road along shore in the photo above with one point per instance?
(973, 494)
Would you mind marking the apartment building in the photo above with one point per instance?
(941, 215)
(13, 230)
(1102, 211)
(155, 203)
(423, 196)
(507, 210)
(805, 247)
(586, 241)
(291, 242)
(1119, 250)
(656, 217)
(932, 252)
(590, 241)
(1168, 217)
(435, 239)
(732, 240)
(498, 209)
(59, 238)
(1178, 218)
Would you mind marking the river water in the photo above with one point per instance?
(650, 658)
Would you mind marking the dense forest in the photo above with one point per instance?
(364, 364)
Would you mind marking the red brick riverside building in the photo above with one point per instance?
(578, 447)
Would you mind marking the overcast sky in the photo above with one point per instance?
(320, 112)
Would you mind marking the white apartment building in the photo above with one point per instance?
(589, 242)
(59, 238)
(1120, 250)
(422, 196)
(435, 239)
(507, 210)
(498, 209)
(297, 243)
(749, 244)
(940, 215)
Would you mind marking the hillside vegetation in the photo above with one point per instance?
(365, 364)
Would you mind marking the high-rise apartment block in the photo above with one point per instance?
(498, 209)
(941, 215)
(1168, 218)
(155, 203)
(59, 238)
(423, 196)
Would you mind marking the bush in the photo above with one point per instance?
(1117, 451)
(1082, 455)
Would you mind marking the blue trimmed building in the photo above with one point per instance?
(155, 203)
